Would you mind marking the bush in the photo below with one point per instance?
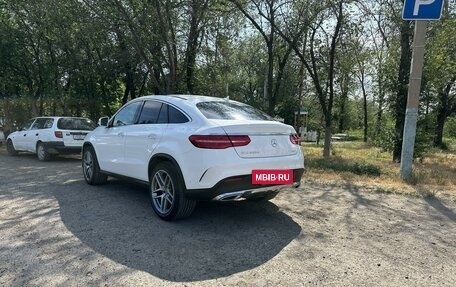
(385, 139)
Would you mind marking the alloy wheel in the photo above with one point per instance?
(162, 190)
(88, 165)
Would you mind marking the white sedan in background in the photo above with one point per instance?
(48, 136)
(189, 148)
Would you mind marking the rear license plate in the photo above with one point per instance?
(272, 176)
(78, 137)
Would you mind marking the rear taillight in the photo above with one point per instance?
(218, 141)
(1, 129)
(58, 134)
(295, 139)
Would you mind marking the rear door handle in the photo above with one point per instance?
(152, 136)
(121, 134)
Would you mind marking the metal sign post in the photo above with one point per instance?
(420, 11)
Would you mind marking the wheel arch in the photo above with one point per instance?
(161, 157)
(37, 143)
(86, 145)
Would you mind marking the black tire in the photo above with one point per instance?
(263, 198)
(90, 167)
(167, 193)
(42, 153)
(10, 148)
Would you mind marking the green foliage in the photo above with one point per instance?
(450, 127)
(65, 57)
(385, 138)
(423, 142)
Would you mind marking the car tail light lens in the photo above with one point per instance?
(58, 134)
(295, 139)
(218, 141)
(1, 129)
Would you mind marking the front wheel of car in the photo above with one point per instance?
(10, 148)
(167, 193)
(42, 153)
(91, 169)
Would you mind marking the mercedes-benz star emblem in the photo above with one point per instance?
(274, 143)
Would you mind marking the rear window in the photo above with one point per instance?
(76, 124)
(231, 111)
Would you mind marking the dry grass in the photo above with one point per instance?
(433, 175)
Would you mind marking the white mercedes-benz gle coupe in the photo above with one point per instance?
(190, 148)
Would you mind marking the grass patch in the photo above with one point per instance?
(341, 165)
(356, 162)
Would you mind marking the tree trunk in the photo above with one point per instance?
(192, 43)
(327, 144)
(270, 44)
(343, 102)
(443, 111)
(269, 84)
(364, 108)
(441, 117)
(400, 102)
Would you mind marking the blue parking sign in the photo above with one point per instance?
(422, 9)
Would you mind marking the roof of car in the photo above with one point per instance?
(189, 98)
(58, 117)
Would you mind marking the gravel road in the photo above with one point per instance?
(55, 230)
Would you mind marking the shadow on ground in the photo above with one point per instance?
(117, 221)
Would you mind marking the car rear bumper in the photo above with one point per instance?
(239, 188)
(60, 148)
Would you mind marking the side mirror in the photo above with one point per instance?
(103, 121)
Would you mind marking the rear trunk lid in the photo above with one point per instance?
(74, 130)
(268, 138)
(74, 137)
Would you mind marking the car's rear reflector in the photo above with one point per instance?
(295, 139)
(218, 141)
(58, 134)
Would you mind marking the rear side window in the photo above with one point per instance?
(231, 111)
(150, 112)
(26, 126)
(75, 124)
(48, 124)
(158, 113)
(39, 124)
(175, 116)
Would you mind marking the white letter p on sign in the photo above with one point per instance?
(418, 3)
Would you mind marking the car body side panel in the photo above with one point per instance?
(109, 147)
(140, 144)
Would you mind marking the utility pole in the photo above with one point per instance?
(413, 98)
(420, 11)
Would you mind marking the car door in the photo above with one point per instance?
(20, 140)
(143, 137)
(111, 140)
(34, 133)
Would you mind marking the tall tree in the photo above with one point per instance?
(440, 73)
(323, 39)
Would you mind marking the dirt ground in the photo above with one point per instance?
(55, 230)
